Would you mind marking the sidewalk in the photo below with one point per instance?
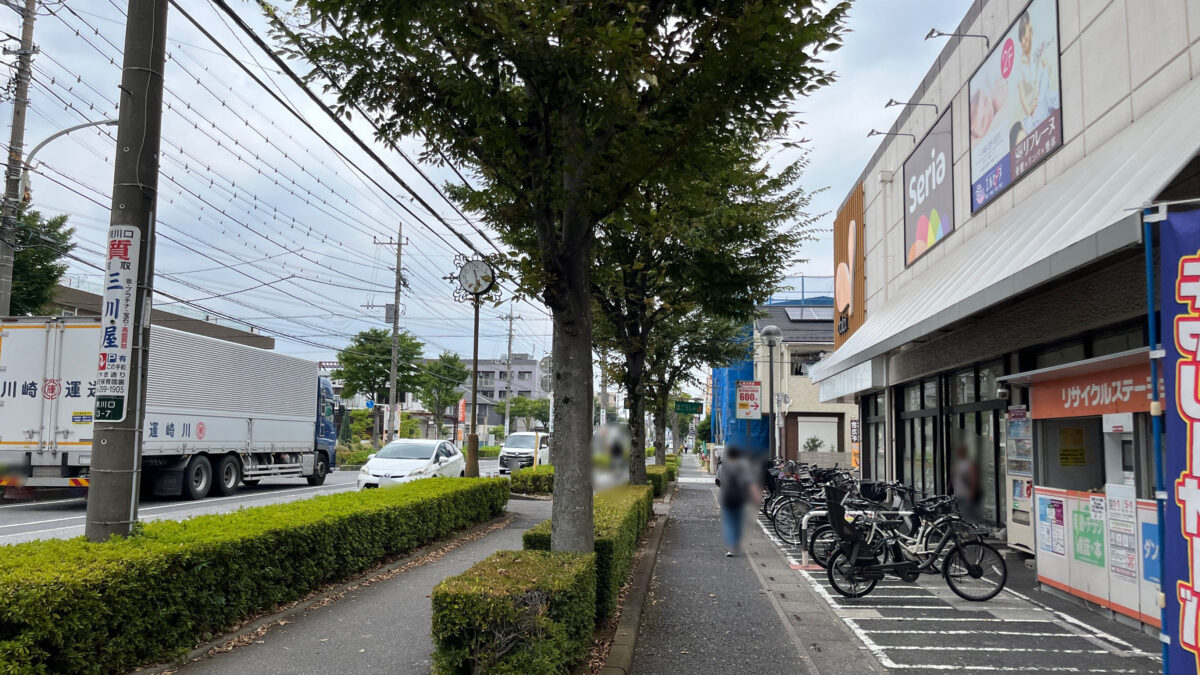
(712, 614)
(383, 627)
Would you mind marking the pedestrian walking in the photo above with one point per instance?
(738, 478)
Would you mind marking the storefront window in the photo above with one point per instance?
(912, 397)
(1059, 355)
(1119, 341)
(931, 397)
(988, 374)
(963, 387)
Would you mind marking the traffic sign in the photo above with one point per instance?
(370, 404)
(749, 400)
(689, 407)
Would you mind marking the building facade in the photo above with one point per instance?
(807, 430)
(992, 318)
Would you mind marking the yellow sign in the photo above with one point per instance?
(1071, 451)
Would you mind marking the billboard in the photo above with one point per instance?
(1180, 322)
(929, 191)
(1015, 108)
(849, 263)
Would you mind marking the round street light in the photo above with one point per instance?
(772, 336)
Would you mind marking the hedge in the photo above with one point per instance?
(72, 606)
(658, 476)
(536, 480)
(516, 612)
(487, 451)
(620, 516)
(354, 457)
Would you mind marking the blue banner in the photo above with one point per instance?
(1180, 316)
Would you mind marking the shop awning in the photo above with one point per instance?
(1081, 215)
(1133, 357)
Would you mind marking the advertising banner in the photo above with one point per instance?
(929, 191)
(1015, 109)
(850, 268)
(1180, 293)
(116, 339)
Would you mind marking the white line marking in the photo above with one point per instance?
(1095, 632)
(47, 503)
(955, 619)
(938, 648)
(969, 632)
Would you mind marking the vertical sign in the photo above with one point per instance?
(117, 327)
(929, 191)
(1180, 293)
(1014, 110)
(749, 395)
(850, 268)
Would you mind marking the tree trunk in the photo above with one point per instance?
(571, 510)
(677, 440)
(634, 374)
(660, 431)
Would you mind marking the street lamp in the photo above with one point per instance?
(28, 163)
(771, 335)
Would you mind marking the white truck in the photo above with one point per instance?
(218, 414)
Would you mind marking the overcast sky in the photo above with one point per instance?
(257, 209)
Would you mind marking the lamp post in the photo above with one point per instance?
(771, 335)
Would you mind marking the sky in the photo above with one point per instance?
(262, 222)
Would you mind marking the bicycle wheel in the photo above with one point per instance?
(789, 518)
(933, 536)
(822, 544)
(843, 579)
(975, 571)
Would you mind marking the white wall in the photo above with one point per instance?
(1119, 58)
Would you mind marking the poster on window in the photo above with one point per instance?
(1180, 323)
(1015, 108)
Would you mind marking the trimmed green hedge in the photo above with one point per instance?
(658, 477)
(353, 457)
(488, 451)
(516, 612)
(72, 606)
(620, 516)
(536, 480)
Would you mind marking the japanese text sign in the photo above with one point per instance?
(1124, 389)
(117, 326)
(1180, 293)
(749, 400)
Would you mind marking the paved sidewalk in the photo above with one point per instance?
(383, 627)
(748, 614)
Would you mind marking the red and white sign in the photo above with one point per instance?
(749, 400)
(462, 410)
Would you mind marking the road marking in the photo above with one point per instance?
(1064, 618)
(957, 619)
(37, 503)
(198, 503)
(968, 632)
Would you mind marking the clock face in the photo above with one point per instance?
(476, 277)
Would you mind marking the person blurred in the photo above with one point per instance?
(738, 478)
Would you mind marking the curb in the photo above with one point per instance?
(530, 498)
(263, 621)
(620, 654)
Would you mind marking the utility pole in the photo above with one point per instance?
(129, 278)
(472, 469)
(603, 388)
(393, 394)
(16, 147)
(509, 374)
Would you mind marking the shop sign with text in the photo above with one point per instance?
(929, 191)
(1120, 390)
(1180, 316)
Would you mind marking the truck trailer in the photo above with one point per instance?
(218, 414)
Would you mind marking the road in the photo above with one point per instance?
(64, 518)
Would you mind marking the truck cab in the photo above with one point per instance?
(326, 429)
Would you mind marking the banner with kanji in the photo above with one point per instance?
(1180, 297)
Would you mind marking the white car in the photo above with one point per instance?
(518, 449)
(406, 460)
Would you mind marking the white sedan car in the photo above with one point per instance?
(405, 460)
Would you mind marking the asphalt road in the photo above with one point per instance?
(64, 518)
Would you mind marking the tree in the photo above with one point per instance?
(364, 366)
(712, 236)
(611, 412)
(813, 444)
(37, 264)
(541, 410)
(438, 388)
(704, 429)
(695, 342)
(562, 109)
(522, 408)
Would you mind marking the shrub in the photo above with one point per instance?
(489, 451)
(620, 515)
(353, 457)
(516, 612)
(536, 480)
(657, 475)
(69, 606)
